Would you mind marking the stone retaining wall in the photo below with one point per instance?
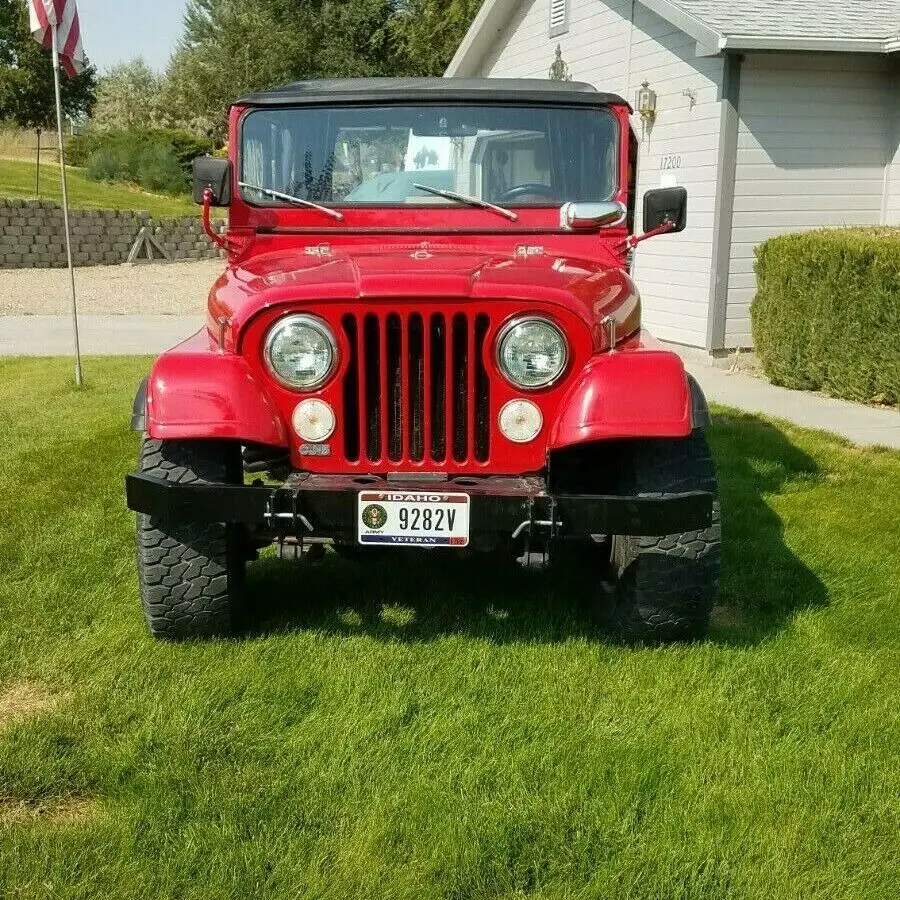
(32, 236)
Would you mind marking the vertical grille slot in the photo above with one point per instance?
(351, 393)
(372, 367)
(395, 389)
(482, 392)
(416, 388)
(438, 388)
(459, 387)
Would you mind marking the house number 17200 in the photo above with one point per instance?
(670, 161)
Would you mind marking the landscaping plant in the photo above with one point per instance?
(159, 160)
(826, 316)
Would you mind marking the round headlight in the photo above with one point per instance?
(532, 353)
(301, 352)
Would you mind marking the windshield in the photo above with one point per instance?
(507, 155)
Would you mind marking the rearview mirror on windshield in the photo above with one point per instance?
(215, 175)
(447, 123)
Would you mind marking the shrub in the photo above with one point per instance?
(159, 170)
(157, 159)
(186, 145)
(826, 316)
(80, 147)
(104, 165)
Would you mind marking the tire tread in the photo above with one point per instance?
(188, 573)
(667, 585)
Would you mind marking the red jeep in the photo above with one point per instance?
(426, 337)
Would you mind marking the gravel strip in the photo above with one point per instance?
(161, 289)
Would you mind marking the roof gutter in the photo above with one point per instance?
(743, 42)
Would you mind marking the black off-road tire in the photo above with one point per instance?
(665, 587)
(191, 575)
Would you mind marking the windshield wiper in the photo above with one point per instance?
(289, 199)
(465, 198)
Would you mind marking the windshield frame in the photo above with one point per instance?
(618, 188)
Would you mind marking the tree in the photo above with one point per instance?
(232, 47)
(229, 48)
(429, 31)
(27, 95)
(129, 95)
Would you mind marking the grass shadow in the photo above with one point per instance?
(764, 583)
(414, 596)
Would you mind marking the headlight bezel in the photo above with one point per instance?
(317, 324)
(504, 334)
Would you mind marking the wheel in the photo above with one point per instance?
(664, 588)
(191, 575)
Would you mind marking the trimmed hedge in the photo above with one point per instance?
(826, 316)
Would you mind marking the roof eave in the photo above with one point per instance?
(491, 20)
(689, 24)
(793, 43)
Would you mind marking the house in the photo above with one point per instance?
(776, 115)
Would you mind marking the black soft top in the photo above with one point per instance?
(526, 91)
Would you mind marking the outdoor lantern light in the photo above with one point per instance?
(645, 104)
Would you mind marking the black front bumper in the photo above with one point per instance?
(326, 506)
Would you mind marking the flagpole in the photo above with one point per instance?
(65, 202)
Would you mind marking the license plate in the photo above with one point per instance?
(417, 518)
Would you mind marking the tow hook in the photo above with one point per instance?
(538, 531)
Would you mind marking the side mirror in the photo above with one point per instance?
(588, 216)
(214, 174)
(665, 206)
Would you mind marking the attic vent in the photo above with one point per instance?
(559, 17)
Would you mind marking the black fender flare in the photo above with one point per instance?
(139, 407)
(700, 417)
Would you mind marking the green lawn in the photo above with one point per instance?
(473, 737)
(17, 179)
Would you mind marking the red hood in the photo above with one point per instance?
(587, 288)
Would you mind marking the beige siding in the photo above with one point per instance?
(602, 47)
(815, 136)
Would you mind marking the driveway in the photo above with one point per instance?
(100, 335)
(121, 309)
(157, 289)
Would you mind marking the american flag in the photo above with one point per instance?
(64, 14)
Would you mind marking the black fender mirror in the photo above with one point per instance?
(665, 206)
(214, 175)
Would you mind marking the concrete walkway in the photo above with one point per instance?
(100, 335)
(110, 335)
(863, 425)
